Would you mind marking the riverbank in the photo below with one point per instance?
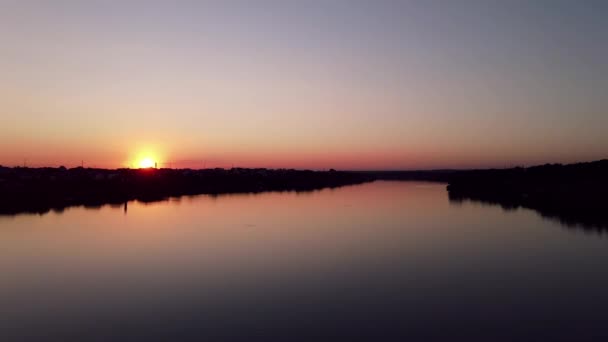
(38, 190)
(573, 193)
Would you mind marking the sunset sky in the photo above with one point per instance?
(303, 84)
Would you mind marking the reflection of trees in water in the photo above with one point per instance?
(42, 208)
(573, 194)
(589, 217)
(38, 191)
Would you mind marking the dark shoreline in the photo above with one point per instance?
(39, 190)
(573, 194)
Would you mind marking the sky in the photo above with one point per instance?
(303, 84)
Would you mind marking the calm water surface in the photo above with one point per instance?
(379, 261)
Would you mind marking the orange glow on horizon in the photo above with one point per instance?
(145, 156)
(146, 163)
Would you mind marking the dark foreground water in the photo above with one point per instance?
(380, 262)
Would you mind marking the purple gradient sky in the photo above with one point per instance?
(305, 84)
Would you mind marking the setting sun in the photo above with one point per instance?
(146, 163)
